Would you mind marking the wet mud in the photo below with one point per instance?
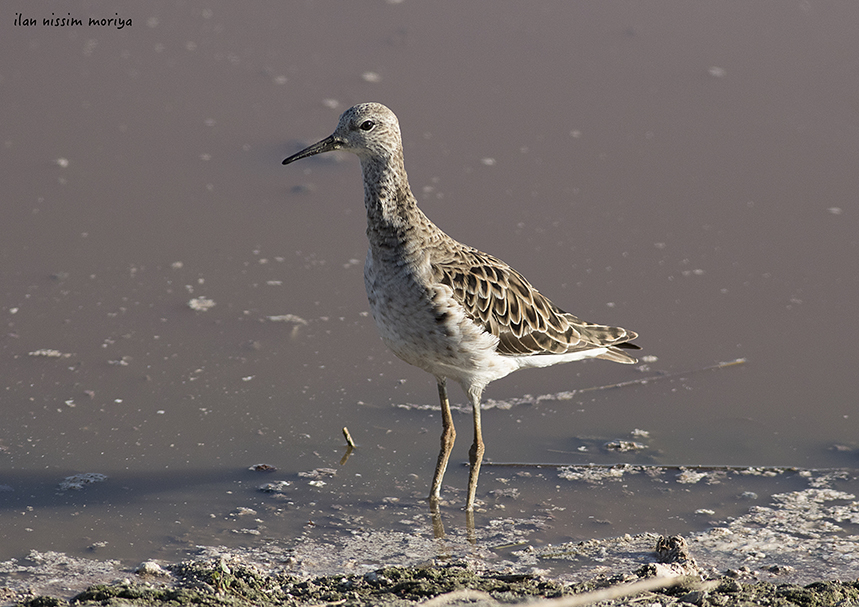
(232, 582)
(780, 552)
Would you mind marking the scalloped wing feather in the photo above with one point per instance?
(525, 321)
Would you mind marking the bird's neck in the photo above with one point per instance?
(395, 224)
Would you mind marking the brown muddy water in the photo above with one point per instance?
(687, 171)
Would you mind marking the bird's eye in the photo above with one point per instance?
(367, 125)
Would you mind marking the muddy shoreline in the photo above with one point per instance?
(782, 552)
(234, 581)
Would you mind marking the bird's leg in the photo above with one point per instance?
(475, 454)
(470, 533)
(448, 434)
(435, 516)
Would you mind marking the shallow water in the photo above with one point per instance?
(687, 172)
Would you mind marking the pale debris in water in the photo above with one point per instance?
(690, 477)
(623, 446)
(318, 473)
(595, 475)
(201, 304)
(50, 353)
(296, 320)
(275, 487)
(287, 318)
(262, 468)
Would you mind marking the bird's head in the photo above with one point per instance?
(367, 129)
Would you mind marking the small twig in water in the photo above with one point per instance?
(350, 446)
(348, 436)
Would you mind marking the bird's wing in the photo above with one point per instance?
(524, 320)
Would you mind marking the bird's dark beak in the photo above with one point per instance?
(328, 144)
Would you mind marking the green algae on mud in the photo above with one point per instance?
(217, 583)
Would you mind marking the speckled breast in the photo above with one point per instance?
(421, 323)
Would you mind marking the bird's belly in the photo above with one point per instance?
(424, 326)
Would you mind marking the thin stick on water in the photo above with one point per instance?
(349, 441)
(350, 446)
